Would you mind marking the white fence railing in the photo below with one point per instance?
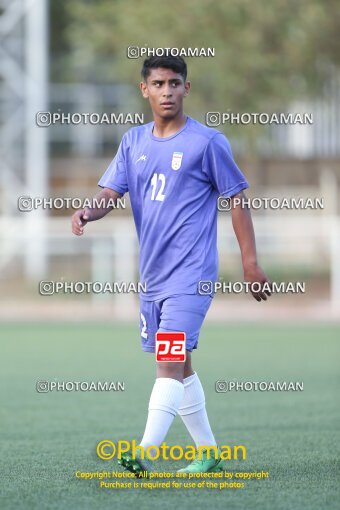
(309, 241)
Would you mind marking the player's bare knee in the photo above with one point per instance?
(188, 359)
(188, 370)
(173, 370)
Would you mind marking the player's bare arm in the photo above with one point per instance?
(244, 231)
(106, 198)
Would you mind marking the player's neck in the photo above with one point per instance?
(168, 127)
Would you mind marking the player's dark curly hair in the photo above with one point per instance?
(176, 64)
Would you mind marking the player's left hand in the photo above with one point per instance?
(255, 274)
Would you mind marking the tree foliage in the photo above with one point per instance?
(267, 53)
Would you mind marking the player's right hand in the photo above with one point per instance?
(79, 220)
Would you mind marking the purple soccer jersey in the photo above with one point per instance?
(174, 184)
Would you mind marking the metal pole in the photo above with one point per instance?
(36, 138)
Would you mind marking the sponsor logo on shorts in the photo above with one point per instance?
(170, 346)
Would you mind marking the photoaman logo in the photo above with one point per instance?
(107, 450)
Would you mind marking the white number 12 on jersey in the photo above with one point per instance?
(155, 178)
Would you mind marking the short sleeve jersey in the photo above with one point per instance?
(174, 184)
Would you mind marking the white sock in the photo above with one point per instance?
(166, 396)
(193, 413)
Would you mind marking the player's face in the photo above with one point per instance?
(165, 90)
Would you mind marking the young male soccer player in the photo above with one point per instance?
(174, 170)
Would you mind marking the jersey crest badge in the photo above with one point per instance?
(176, 160)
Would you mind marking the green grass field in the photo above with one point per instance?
(45, 438)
